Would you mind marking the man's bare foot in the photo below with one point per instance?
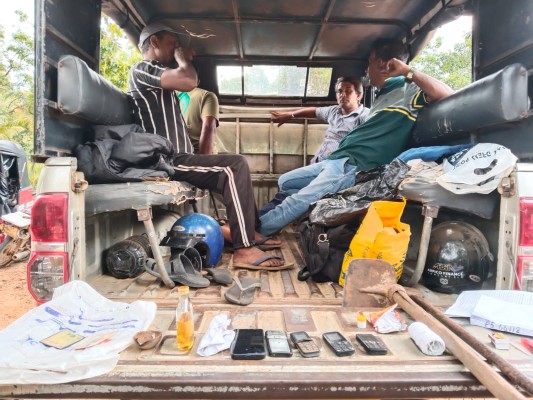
(269, 242)
(249, 255)
(257, 237)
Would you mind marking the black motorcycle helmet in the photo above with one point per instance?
(458, 258)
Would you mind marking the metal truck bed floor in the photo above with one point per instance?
(282, 303)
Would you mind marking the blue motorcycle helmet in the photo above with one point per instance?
(199, 231)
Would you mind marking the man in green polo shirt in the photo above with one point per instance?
(402, 92)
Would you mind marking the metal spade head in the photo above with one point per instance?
(364, 273)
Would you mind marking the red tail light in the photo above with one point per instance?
(48, 265)
(524, 265)
(49, 218)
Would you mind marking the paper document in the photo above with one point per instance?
(467, 301)
(496, 314)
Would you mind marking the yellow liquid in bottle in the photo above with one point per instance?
(184, 332)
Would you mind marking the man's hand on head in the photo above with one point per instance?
(184, 54)
(395, 67)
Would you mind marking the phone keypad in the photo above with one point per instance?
(308, 346)
(343, 346)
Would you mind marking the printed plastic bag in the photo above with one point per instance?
(34, 349)
(477, 170)
(386, 320)
(381, 236)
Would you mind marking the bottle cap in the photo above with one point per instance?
(183, 290)
(361, 320)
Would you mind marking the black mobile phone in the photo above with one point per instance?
(305, 345)
(278, 344)
(339, 344)
(248, 345)
(372, 344)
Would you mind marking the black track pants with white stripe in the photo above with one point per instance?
(229, 175)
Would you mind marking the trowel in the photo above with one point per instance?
(363, 273)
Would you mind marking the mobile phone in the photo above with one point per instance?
(305, 345)
(372, 344)
(248, 345)
(278, 344)
(339, 344)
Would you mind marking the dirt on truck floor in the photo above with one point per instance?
(14, 295)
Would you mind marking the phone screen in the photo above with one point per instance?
(248, 345)
(278, 345)
(334, 336)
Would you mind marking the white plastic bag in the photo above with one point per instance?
(78, 308)
(477, 170)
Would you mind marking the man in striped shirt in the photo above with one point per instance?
(167, 67)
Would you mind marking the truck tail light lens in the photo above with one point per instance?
(46, 271)
(48, 266)
(524, 264)
(49, 218)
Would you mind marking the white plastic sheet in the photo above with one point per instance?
(477, 170)
(79, 308)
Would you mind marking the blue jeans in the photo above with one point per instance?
(305, 186)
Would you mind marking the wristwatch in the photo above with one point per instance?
(409, 75)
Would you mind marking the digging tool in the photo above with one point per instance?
(378, 282)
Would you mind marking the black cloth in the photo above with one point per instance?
(7, 194)
(380, 183)
(115, 161)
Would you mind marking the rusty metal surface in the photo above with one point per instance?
(282, 303)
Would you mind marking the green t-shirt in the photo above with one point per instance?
(386, 131)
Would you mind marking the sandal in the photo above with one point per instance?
(243, 291)
(181, 270)
(256, 265)
(219, 275)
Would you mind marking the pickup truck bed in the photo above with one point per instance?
(284, 303)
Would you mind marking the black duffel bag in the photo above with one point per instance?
(323, 249)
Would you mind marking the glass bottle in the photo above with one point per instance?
(184, 320)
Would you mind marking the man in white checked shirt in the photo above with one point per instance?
(341, 118)
(167, 67)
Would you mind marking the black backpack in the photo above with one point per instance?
(323, 249)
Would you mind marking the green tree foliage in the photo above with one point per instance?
(16, 88)
(453, 66)
(117, 54)
(319, 79)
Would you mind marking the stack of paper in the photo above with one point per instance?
(501, 310)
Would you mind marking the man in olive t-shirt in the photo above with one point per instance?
(200, 111)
